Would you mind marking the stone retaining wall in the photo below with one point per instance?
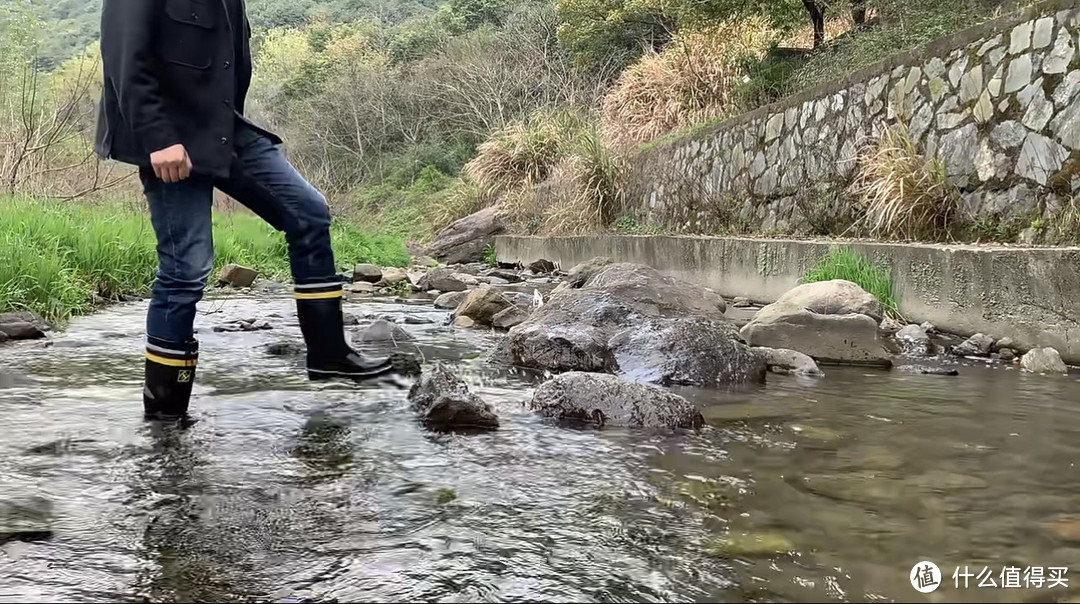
(997, 103)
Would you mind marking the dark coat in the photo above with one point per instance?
(171, 77)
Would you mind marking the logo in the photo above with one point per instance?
(185, 377)
(925, 577)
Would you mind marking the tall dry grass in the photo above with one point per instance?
(905, 194)
(689, 82)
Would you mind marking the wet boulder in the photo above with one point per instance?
(382, 332)
(22, 325)
(507, 275)
(509, 317)
(1043, 360)
(443, 401)
(542, 267)
(368, 273)
(238, 276)
(446, 280)
(834, 297)
(450, 300)
(783, 361)
(837, 339)
(685, 351)
(631, 320)
(465, 240)
(978, 345)
(482, 304)
(914, 341)
(392, 276)
(607, 400)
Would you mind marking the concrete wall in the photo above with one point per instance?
(997, 103)
(1031, 295)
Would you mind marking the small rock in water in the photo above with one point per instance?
(606, 400)
(542, 267)
(784, 361)
(751, 545)
(889, 326)
(261, 324)
(1007, 354)
(741, 302)
(443, 401)
(238, 276)
(367, 272)
(978, 345)
(506, 275)
(927, 370)
(383, 331)
(496, 281)
(361, 287)
(25, 520)
(285, 348)
(349, 319)
(1005, 342)
(20, 330)
(411, 320)
(585, 271)
(914, 341)
(405, 364)
(446, 280)
(392, 275)
(1043, 360)
(1065, 527)
(464, 322)
(928, 327)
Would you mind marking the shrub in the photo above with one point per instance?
(844, 263)
(906, 195)
(691, 81)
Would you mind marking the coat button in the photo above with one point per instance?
(227, 64)
(224, 140)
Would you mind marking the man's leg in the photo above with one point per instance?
(180, 213)
(264, 181)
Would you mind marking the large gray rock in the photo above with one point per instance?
(465, 240)
(631, 320)
(509, 317)
(835, 297)
(914, 341)
(780, 360)
(238, 276)
(20, 330)
(382, 338)
(606, 400)
(367, 272)
(685, 351)
(443, 401)
(1043, 360)
(450, 300)
(542, 266)
(978, 345)
(581, 273)
(392, 275)
(446, 280)
(844, 339)
(506, 275)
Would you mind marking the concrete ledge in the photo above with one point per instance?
(1031, 295)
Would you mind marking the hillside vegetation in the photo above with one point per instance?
(410, 114)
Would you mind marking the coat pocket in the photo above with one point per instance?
(188, 33)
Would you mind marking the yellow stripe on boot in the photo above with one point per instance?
(160, 360)
(319, 295)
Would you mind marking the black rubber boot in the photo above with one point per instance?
(170, 374)
(318, 308)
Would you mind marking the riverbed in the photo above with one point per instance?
(288, 489)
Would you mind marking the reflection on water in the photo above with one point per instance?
(798, 490)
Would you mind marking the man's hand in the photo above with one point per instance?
(171, 164)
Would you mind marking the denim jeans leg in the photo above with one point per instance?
(181, 214)
(263, 180)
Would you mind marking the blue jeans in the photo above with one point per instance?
(262, 180)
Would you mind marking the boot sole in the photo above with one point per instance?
(327, 374)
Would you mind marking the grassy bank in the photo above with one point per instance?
(55, 256)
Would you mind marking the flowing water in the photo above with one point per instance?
(289, 489)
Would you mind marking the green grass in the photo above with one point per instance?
(55, 256)
(491, 257)
(843, 263)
